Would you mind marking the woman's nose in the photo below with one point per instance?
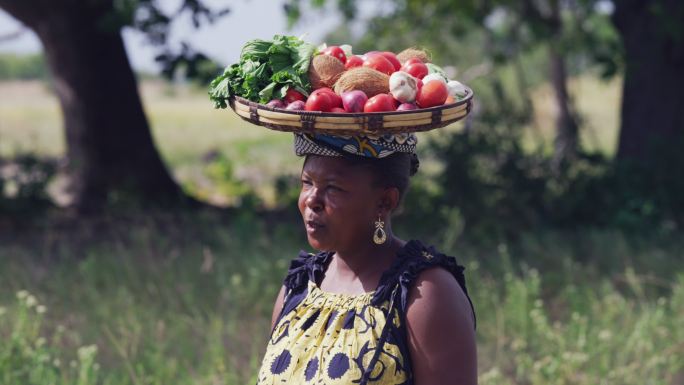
(314, 200)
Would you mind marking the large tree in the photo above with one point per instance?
(110, 150)
(653, 96)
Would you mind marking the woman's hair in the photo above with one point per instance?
(394, 170)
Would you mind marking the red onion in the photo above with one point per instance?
(407, 107)
(295, 106)
(276, 103)
(353, 101)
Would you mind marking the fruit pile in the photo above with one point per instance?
(374, 82)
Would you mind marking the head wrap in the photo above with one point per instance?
(360, 145)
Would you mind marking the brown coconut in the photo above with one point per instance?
(410, 53)
(324, 71)
(368, 80)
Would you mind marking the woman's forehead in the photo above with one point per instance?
(332, 167)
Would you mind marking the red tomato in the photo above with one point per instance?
(419, 84)
(293, 95)
(379, 103)
(336, 52)
(413, 60)
(353, 61)
(335, 99)
(338, 110)
(433, 93)
(323, 89)
(321, 101)
(380, 63)
(370, 53)
(393, 59)
(417, 69)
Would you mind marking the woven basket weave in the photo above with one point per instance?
(352, 123)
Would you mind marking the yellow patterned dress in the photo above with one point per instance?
(329, 338)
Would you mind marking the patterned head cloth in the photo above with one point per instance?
(366, 145)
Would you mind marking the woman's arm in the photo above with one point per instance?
(441, 334)
(278, 306)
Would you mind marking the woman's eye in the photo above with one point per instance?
(306, 182)
(335, 188)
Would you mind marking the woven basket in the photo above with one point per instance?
(352, 123)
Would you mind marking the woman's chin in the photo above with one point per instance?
(317, 243)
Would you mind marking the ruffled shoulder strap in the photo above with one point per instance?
(412, 259)
(305, 267)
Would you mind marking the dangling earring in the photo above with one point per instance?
(379, 235)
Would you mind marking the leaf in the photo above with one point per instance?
(266, 70)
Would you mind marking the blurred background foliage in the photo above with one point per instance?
(560, 196)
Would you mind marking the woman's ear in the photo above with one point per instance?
(389, 200)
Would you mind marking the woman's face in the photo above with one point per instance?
(338, 202)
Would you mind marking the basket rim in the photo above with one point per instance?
(467, 99)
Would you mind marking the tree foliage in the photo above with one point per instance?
(489, 183)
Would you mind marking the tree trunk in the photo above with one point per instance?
(566, 141)
(110, 150)
(653, 92)
(567, 130)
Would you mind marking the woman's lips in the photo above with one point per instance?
(313, 226)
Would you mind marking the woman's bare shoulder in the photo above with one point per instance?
(440, 330)
(278, 305)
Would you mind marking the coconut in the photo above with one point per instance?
(324, 71)
(410, 53)
(368, 80)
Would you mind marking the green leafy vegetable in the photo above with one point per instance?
(267, 69)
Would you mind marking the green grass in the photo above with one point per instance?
(187, 299)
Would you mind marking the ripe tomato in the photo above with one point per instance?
(293, 95)
(353, 61)
(413, 60)
(433, 93)
(419, 85)
(417, 69)
(335, 99)
(323, 89)
(393, 59)
(379, 62)
(338, 110)
(379, 103)
(336, 52)
(321, 101)
(369, 53)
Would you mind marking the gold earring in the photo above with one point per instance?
(379, 235)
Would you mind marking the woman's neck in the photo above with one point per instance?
(365, 259)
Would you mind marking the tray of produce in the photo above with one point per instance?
(287, 84)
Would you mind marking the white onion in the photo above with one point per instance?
(403, 87)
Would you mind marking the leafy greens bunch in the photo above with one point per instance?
(267, 69)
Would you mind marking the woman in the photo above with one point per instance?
(369, 308)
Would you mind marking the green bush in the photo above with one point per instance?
(23, 184)
(23, 67)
